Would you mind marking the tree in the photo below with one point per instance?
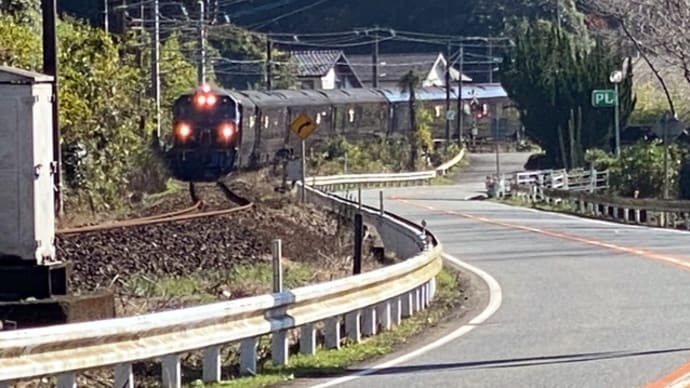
(655, 29)
(551, 80)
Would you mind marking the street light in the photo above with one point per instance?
(616, 78)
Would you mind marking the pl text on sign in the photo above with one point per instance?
(604, 98)
(302, 126)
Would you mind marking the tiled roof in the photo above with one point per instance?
(315, 63)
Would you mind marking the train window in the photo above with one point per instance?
(351, 114)
(252, 121)
(437, 109)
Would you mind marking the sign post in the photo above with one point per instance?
(608, 98)
(303, 126)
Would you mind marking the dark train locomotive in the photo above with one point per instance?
(259, 122)
(206, 135)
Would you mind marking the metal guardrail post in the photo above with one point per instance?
(359, 196)
(277, 251)
(382, 212)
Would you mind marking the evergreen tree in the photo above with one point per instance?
(551, 79)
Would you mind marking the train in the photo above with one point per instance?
(218, 131)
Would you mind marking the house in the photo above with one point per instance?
(324, 69)
(431, 67)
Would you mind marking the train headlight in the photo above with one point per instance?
(226, 131)
(183, 130)
(211, 100)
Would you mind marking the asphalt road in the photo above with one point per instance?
(585, 303)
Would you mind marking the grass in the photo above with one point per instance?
(335, 362)
(254, 278)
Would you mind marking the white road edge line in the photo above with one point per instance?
(495, 300)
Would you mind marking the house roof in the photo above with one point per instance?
(392, 67)
(315, 63)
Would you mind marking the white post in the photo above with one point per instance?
(277, 252)
(352, 326)
(171, 372)
(279, 347)
(369, 321)
(307, 339)
(66, 380)
(332, 330)
(212, 363)
(124, 378)
(248, 356)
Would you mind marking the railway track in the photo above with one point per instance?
(192, 212)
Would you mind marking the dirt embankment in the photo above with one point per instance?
(170, 265)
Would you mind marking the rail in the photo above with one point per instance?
(367, 301)
(341, 182)
(576, 192)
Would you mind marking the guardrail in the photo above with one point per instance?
(574, 180)
(367, 301)
(576, 192)
(341, 182)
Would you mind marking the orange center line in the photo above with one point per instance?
(662, 382)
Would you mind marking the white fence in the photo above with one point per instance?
(574, 180)
(378, 299)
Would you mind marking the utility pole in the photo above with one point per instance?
(105, 16)
(491, 62)
(461, 110)
(50, 67)
(375, 62)
(201, 69)
(448, 64)
(155, 66)
(269, 64)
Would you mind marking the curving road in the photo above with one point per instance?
(585, 303)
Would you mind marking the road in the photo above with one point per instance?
(585, 303)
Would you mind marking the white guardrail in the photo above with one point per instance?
(574, 180)
(340, 182)
(377, 299)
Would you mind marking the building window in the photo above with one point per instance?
(437, 109)
(307, 84)
(351, 114)
(266, 121)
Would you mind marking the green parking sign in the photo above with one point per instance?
(604, 98)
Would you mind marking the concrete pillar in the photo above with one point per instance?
(383, 315)
(332, 330)
(279, 347)
(369, 321)
(638, 218)
(67, 380)
(171, 372)
(407, 304)
(396, 310)
(212, 363)
(124, 378)
(352, 326)
(248, 356)
(432, 289)
(307, 339)
(417, 299)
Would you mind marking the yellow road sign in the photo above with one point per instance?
(302, 126)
